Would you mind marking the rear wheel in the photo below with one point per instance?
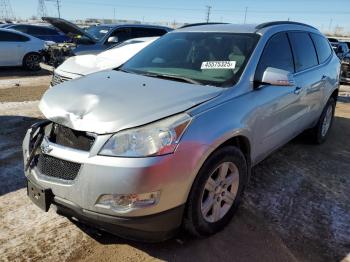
(31, 61)
(320, 132)
(216, 192)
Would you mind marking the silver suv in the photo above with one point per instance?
(170, 137)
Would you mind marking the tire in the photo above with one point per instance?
(31, 61)
(195, 221)
(320, 132)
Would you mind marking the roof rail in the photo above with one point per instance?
(264, 25)
(199, 24)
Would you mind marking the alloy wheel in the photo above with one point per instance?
(327, 121)
(220, 192)
(32, 61)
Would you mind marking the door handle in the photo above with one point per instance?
(297, 90)
(324, 77)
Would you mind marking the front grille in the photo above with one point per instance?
(57, 168)
(68, 137)
(58, 79)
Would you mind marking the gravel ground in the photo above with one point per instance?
(17, 84)
(296, 208)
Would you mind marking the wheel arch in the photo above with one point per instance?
(239, 139)
(334, 94)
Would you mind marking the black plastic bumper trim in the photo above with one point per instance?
(151, 228)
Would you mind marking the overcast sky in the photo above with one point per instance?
(320, 13)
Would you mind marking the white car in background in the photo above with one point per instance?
(20, 49)
(82, 65)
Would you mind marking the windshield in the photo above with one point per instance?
(98, 32)
(206, 58)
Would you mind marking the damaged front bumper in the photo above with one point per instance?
(55, 54)
(76, 197)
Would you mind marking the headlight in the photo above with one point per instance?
(158, 138)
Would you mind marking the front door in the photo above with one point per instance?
(279, 107)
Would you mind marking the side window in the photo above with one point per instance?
(50, 31)
(156, 32)
(277, 54)
(42, 31)
(12, 37)
(322, 47)
(35, 30)
(123, 34)
(21, 28)
(303, 50)
(344, 48)
(144, 32)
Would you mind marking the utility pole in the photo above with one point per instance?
(114, 14)
(330, 25)
(245, 15)
(42, 11)
(6, 11)
(208, 13)
(58, 5)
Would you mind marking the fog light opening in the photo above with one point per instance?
(127, 202)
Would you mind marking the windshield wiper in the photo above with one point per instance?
(173, 77)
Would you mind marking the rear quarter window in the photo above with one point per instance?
(303, 50)
(323, 48)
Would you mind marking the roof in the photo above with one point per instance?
(230, 28)
(240, 28)
(134, 25)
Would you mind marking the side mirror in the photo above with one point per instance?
(112, 39)
(277, 77)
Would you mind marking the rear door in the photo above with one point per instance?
(324, 55)
(310, 77)
(12, 48)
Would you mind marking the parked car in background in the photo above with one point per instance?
(340, 48)
(19, 49)
(3, 25)
(77, 66)
(41, 32)
(95, 38)
(345, 69)
(332, 40)
(170, 137)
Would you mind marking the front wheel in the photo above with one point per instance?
(216, 192)
(320, 132)
(31, 61)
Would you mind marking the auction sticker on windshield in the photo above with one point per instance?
(218, 65)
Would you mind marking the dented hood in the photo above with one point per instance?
(109, 101)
